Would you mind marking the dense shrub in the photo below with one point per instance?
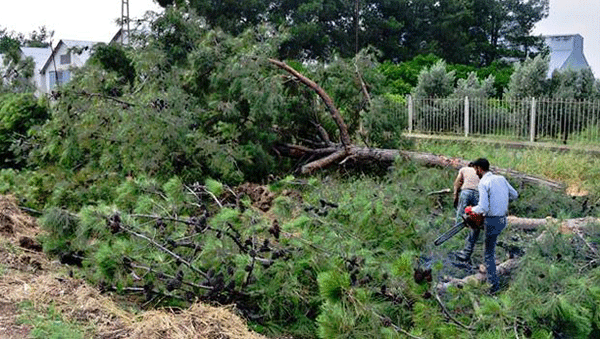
(18, 113)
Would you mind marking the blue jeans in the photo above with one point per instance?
(466, 198)
(493, 228)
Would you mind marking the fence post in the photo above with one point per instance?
(532, 122)
(466, 116)
(410, 113)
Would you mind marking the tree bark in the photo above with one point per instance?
(335, 114)
(479, 277)
(568, 226)
(367, 154)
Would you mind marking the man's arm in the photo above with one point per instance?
(457, 184)
(512, 193)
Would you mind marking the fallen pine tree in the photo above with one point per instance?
(339, 153)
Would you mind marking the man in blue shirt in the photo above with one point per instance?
(494, 195)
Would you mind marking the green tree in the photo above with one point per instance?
(435, 82)
(472, 87)
(529, 79)
(15, 70)
(571, 84)
(522, 17)
(18, 113)
(466, 31)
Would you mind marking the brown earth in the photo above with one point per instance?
(27, 275)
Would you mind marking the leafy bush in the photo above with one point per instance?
(435, 81)
(18, 113)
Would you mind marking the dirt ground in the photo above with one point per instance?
(27, 275)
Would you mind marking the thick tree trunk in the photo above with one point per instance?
(479, 277)
(336, 155)
(568, 226)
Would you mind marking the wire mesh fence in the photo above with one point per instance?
(533, 119)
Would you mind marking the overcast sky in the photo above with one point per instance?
(88, 20)
(94, 20)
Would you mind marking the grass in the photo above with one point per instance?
(579, 170)
(49, 324)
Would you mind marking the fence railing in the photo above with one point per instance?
(534, 119)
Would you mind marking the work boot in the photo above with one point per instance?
(463, 256)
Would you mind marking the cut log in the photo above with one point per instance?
(480, 277)
(568, 226)
(368, 154)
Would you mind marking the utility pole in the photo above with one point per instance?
(124, 22)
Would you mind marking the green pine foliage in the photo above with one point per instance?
(333, 286)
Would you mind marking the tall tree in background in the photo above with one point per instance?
(521, 18)
(474, 32)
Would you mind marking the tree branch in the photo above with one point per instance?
(323, 162)
(125, 103)
(447, 313)
(335, 114)
(166, 250)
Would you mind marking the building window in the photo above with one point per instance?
(65, 59)
(59, 78)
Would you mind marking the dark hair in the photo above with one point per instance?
(482, 163)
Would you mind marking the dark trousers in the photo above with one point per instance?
(493, 226)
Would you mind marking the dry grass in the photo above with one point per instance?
(44, 285)
(13, 221)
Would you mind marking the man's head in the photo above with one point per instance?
(481, 166)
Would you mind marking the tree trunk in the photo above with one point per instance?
(479, 277)
(568, 226)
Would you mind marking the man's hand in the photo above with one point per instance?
(455, 201)
(474, 220)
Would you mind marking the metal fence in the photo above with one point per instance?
(535, 119)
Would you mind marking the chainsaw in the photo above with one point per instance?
(468, 219)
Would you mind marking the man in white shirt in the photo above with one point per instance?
(494, 195)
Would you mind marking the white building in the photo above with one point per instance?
(566, 52)
(39, 55)
(67, 55)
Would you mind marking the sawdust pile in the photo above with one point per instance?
(47, 283)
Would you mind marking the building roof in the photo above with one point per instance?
(86, 47)
(566, 52)
(39, 55)
(122, 35)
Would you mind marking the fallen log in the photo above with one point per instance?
(337, 155)
(568, 226)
